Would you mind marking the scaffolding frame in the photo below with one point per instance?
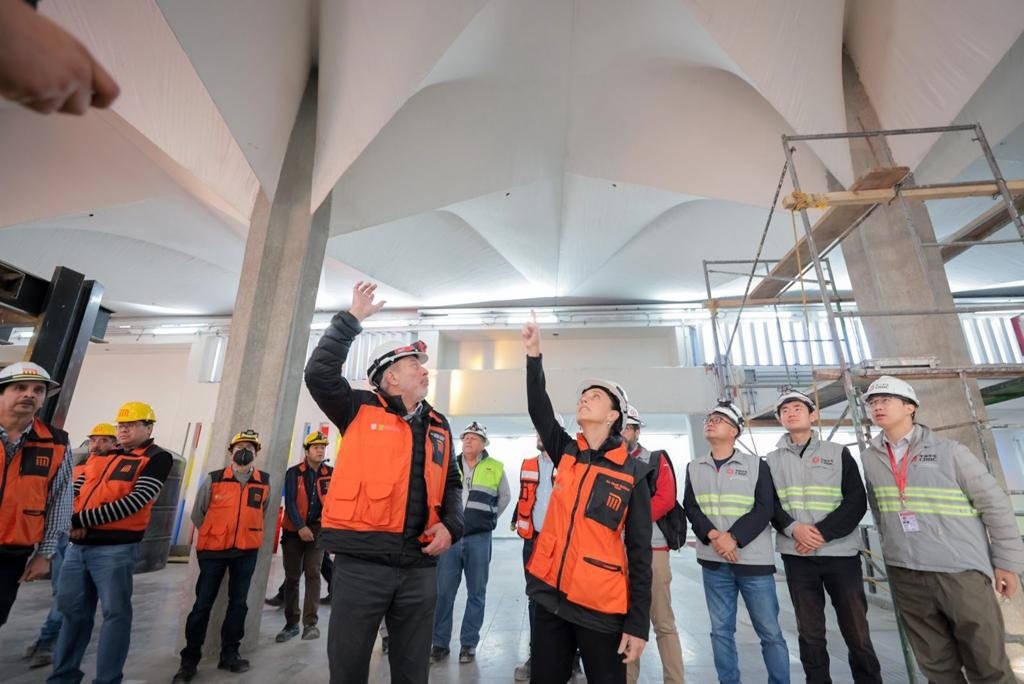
(835, 317)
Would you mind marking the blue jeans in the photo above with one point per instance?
(720, 589)
(91, 573)
(471, 554)
(211, 574)
(51, 627)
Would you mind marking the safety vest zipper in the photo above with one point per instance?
(238, 514)
(572, 524)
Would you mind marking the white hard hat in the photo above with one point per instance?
(633, 417)
(26, 371)
(619, 399)
(386, 354)
(888, 384)
(728, 409)
(477, 429)
(789, 395)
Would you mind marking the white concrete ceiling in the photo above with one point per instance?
(489, 150)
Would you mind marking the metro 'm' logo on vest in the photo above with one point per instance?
(42, 461)
(614, 502)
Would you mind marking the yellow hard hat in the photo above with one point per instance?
(246, 436)
(314, 438)
(103, 430)
(136, 410)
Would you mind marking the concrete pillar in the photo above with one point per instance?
(890, 270)
(269, 336)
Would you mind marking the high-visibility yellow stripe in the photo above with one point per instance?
(813, 506)
(724, 510)
(733, 498)
(810, 489)
(941, 493)
(954, 511)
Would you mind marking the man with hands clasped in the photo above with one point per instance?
(729, 501)
(820, 504)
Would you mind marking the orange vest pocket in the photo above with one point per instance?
(542, 558)
(342, 499)
(599, 585)
(378, 503)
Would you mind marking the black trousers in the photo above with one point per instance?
(554, 646)
(12, 566)
(211, 573)
(531, 606)
(808, 580)
(363, 594)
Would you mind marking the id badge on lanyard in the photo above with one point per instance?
(908, 520)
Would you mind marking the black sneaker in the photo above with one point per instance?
(438, 653)
(185, 673)
(289, 632)
(326, 600)
(233, 663)
(384, 645)
(467, 654)
(275, 601)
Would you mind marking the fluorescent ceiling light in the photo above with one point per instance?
(175, 331)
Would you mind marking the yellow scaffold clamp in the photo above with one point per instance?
(797, 201)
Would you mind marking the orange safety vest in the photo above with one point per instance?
(580, 551)
(529, 480)
(322, 482)
(109, 478)
(25, 485)
(372, 488)
(234, 519)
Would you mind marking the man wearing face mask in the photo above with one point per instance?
(228, 513)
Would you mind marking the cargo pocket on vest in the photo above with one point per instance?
(218, 538)
(342, 504)
(542, 557)
(378, 503)
(599, 585)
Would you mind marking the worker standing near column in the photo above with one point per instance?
(228, 513)
(949, 537)
(821, 502)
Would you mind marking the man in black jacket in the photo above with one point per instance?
(393, 505)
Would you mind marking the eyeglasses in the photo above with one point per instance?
(131, 425)
(714, 420)
(882, 399)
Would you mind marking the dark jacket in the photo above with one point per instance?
(637, 537)
(340, 402)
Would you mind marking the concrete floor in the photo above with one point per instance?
(504, 641)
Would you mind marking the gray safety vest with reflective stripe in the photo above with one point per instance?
(810, 488)
(481, 512)
(724, 496)
(952, 537)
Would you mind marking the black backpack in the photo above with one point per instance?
(672, 524)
